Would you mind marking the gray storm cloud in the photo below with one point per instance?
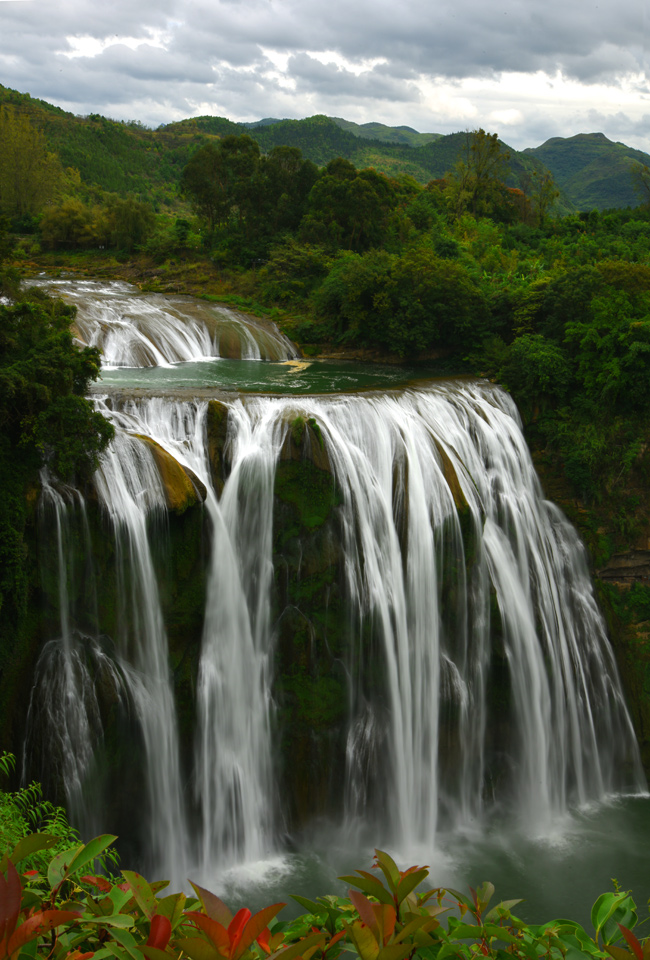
(173, 58)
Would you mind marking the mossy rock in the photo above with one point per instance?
(451, 477)
(217, 430)
(182, 487)
(311, 491)
(304, 441)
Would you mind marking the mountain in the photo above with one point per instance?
(590, 170)
(379, 131)
(594, 172)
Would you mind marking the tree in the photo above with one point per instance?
(640, 174)
(30, 175)
(285, 180)
(129, 222)
(349, 207)
(475, 184)
(44, 420)
(219, 179)
(69, 224)
(543, 194)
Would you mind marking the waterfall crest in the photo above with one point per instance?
(479, 671)
(143, 330)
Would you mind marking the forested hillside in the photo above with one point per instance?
(127, 158)
(593, 171)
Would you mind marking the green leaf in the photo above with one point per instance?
(32, 844)
(120, 897)
(215, 908)
(608, 911)
(117, 950)
(154, 953)
(172, 907)
(142, 892)
(394, 952)
(91, 851)
(484, 894)
(123, 920)
(59, 866)
(408, 883)
(371, 886)
(310, 905)
(389, 868)
(198, 949)
(126, 940)
(363, 939)
(501, 910)
(418, 923)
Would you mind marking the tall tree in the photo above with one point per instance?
(476, 183)
(30, 175)
(219, 179)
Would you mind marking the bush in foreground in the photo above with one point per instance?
(64, 909)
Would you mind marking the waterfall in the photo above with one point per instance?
(142, 330)
(479, 671)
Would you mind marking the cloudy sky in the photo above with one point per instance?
(527, 69)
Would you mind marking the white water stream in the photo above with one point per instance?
(135, 330)
(443, 600)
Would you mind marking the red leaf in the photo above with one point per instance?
(264, 939)
(365, 911)
(632, 942)
(40, 923)
(160, 932)
(213, 906)
(214, 931)
(236, 927)
(10, 897)
(254, 927)
(100, 882)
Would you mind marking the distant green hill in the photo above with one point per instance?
(379, 131)
(591, 171)
(594, 171)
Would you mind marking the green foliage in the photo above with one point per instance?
(118, 223)
(349, 208)
(44, 419)
(477, 182)
(536, 370)
(30, 174)
(34, 827)
(405, 304)
(292, 271)
(59, 911)
(594, 171)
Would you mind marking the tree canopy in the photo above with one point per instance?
(30, 174)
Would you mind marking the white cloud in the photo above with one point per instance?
(536, 68)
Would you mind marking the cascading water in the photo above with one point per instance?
(135, 330)
(458, 580)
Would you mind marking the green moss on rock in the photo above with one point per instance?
(311, 491)
(182, 487)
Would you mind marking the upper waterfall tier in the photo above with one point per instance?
(148, 330)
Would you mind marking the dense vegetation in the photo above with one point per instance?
(465, 266)
(45, 420)
(128, 158)
(59, 899)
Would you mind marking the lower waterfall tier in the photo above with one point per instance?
(358, 608)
